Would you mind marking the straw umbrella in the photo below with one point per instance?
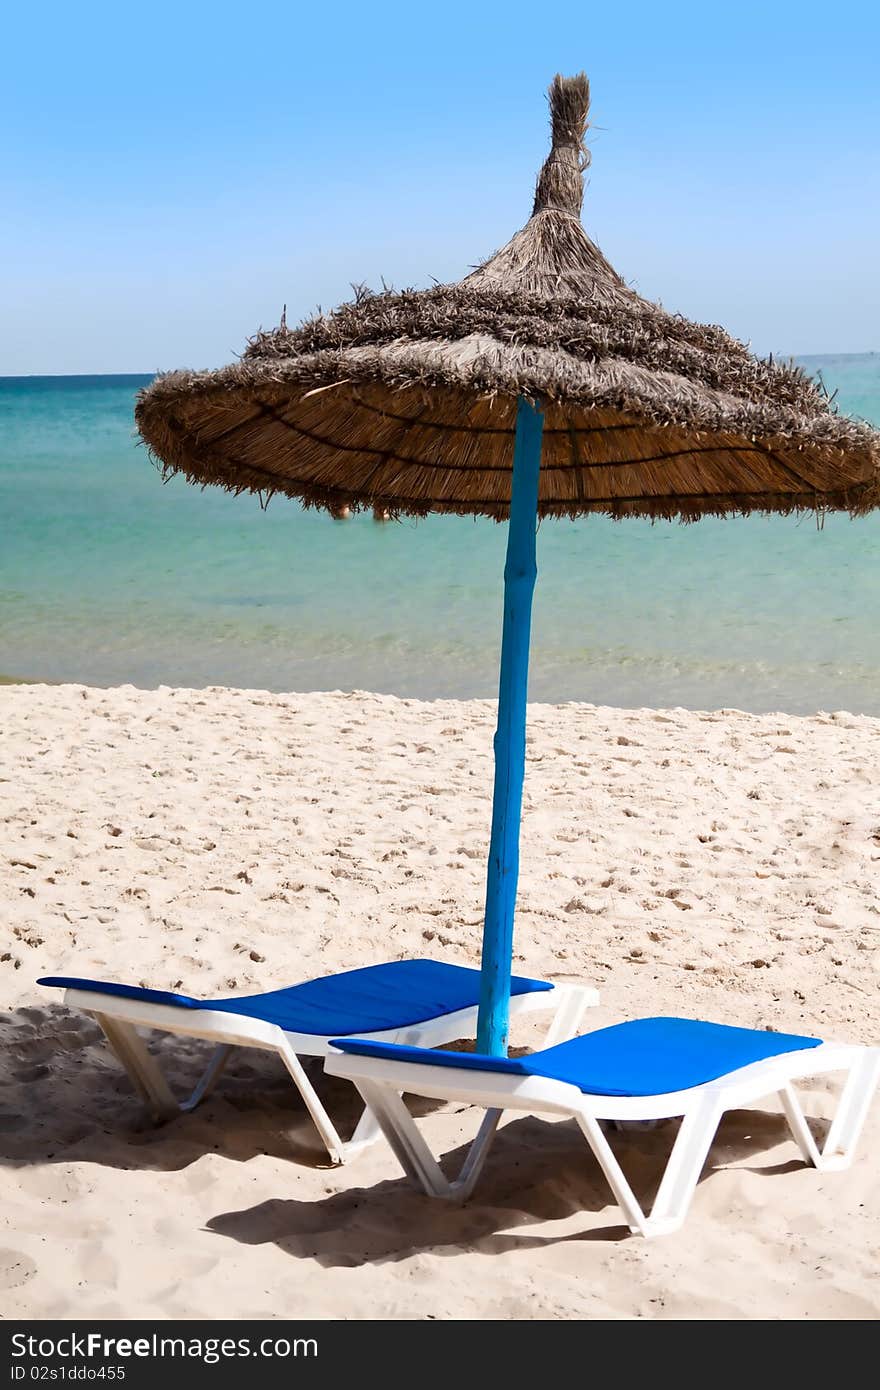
(540, 385)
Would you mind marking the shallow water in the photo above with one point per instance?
(107, 577)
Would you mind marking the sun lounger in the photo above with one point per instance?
(647, 1069)
(423, 1002)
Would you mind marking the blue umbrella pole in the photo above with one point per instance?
(520, 572)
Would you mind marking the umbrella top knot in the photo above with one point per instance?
(561, 180)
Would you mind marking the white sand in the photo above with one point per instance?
(723, 865)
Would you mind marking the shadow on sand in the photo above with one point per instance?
(537, 1173)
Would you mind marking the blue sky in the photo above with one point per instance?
(171, 174)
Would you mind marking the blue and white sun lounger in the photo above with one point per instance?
(643, 1070)
(421, 1002)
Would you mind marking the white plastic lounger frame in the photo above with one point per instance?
(120, 1018)
(382, 1081)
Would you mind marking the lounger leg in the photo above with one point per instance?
(800, 1130)
(366, 1132)
(368, 1129)
(852, 1110)
(399, 1128)
(142, 1067)
(412, 1152)
(219, 1057)
(478, 1152)
(324, 1125)
(566, 1020)
(692, 1143)
(682, 1173)
(626, 1198)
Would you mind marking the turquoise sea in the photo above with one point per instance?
(108, 577)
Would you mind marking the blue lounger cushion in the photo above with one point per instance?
(369, 1000)
(645, 1057)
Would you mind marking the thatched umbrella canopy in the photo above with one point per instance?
(407, 401)
(540, 385)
